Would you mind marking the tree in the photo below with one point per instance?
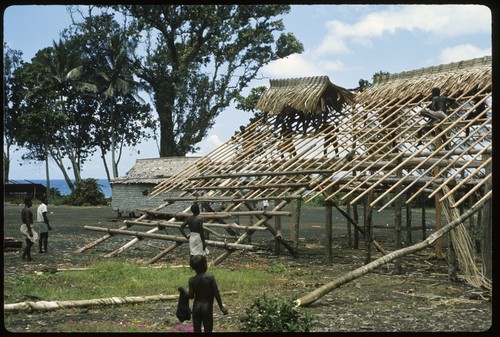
(122, 118)
(12, 107)
(198, 59)
(50, 125)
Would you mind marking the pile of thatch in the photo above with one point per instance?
(309, 95)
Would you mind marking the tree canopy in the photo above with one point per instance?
(199, 58)
(81, 94)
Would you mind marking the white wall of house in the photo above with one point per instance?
(127, 198)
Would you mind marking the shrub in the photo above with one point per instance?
(275, 315)
(87, 192)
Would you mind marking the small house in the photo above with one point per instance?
(131, 192)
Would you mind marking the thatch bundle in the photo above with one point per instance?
(463, 77)
(309, 95)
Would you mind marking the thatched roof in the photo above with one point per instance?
(463, 77)
(309, 95)
(154, 170)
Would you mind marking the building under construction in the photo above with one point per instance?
(375, 146)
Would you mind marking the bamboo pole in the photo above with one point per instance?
(352, 165)
(416, 167)
(436, 128)
(352, 161)
(437, 208)
(164, 252)
(115, 300)
(460, 169)
(225, 254)
(472, 190)
(313, 296)
(358, 227)
(107, 236)
(168, 237)
(161, 224)
(466, 179)
(429, 169)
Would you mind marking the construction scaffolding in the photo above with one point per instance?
(313, 139)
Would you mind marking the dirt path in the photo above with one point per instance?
(422, 298)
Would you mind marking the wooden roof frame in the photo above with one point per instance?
(378, 143)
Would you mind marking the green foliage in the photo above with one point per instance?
(277, 268)
(248, 103)
(201, 59)
(275, 315)
(87, 192)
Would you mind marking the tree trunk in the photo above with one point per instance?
(47, 172)
(325, 289)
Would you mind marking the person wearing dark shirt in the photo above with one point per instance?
(27, 229)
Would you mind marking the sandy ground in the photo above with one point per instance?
(421, 298)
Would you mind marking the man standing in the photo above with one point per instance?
(43, 224)
(197, 245)
(27, 228)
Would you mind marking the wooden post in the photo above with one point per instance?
(292, 223)
(437, 206)
(486, 230)
(355, 217)
(297, 223)
(328, 231)
(277, 227)
(368, 226)
(349, 229)
(424, 227)
(397, 224)
(408, 223)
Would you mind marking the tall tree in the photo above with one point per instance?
(12, 61)
(64, 63)
(122, 117)
(199, 57)
(51, 126)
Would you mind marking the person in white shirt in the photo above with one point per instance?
(43, 225)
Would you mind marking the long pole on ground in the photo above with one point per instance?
(325, 289)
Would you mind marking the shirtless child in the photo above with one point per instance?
(203, 288)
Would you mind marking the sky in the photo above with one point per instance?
(344, 42)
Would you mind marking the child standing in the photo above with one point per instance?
(203, 288)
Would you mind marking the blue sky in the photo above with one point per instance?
(344, 42)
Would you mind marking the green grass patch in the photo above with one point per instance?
(112, 278)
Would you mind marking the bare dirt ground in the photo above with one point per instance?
(421, 298)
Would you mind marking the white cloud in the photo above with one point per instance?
(294, 65)
(440, 21)
(462, 52)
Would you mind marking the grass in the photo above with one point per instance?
(112, 278)
(120, 279)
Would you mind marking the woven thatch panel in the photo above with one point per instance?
(309, 95)
(463, 77)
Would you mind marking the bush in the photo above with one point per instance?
(274, 315)
(87, 192)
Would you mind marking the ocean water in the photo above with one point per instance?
(61, 185)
